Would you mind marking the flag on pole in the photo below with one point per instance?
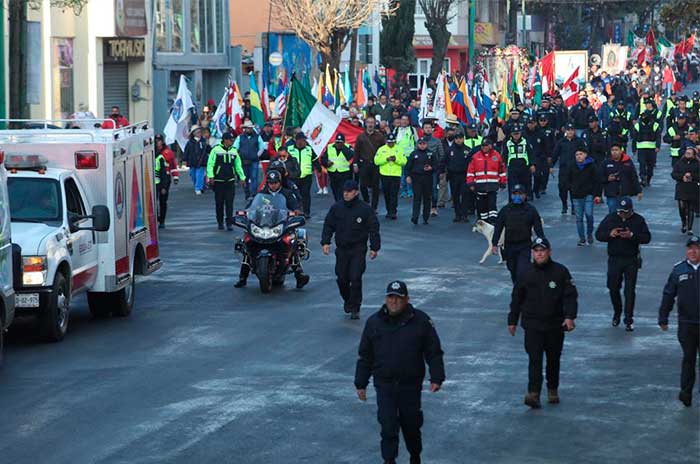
(537, 90)
(488, 103)
(315, 90)
(379, 83)
(327, 83)
(340, 89)
(504, 102)
(547, 72)
(317, 122)
(468, 103)
(423, 100)
(439, 104)
(265, 101)
(651, 41)
(178, 126)
(256, 112)
(220, 115)
(236, 112)
(281, 101)
(361, 92)
(569, 90)
(347, 89)
(448, 100)
(480, 110)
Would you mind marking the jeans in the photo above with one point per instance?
(405, 190)
(197, 176)
(251, 179)
(584, 206)
(612, 204)
(669, 89)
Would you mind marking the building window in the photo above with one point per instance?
(206, 26)
(169, 25)
(365, 48)
(62, 78)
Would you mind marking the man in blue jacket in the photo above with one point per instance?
(683, 288)
(250, 146)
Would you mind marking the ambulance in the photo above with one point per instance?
(83, 211)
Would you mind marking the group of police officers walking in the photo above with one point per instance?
(399, 339)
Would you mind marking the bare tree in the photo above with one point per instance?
(327, 25)
(438, 15)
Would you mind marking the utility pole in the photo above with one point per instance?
(522, 13)
(3, 94)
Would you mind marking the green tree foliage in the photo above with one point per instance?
(396, 40)
(681, 16)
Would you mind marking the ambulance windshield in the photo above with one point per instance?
(34, 200)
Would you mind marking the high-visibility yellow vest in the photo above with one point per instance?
(340, 162)
(304, 157)
(386, 167)
(473, 142)
(517, 151)
(646, 144)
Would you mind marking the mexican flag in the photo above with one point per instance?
(316, 121)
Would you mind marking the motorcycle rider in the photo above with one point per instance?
(273, 186)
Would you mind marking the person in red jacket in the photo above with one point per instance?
(485, 175)
(116, 120)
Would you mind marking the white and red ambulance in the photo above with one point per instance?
(83, 210)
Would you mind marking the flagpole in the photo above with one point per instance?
(286, 111)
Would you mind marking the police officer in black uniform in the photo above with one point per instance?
(547, 135)
(419, 174)
(623, 231)
(396, 343)
(533, 136)
(683, 288)
(455, 164)
(352, 221)
(519, 218)
(596, 139)
(546, 298)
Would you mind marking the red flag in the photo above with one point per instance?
(569, 91)
(349, 131)
(642, 56)
(689, 44)
(651, 41)
(547, 72)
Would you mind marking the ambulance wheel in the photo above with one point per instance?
(123, 300)
(53, 319)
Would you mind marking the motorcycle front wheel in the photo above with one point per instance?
(264, 273)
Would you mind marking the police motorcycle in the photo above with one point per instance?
(274, 244)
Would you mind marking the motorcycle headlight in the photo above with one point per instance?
(266, 233)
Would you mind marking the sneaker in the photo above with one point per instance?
(221, 227)
(552, 396)
(685, 398)
(347, 309)
(564, 211)
(414, 221)
(533, 400)
(683, 230)
(581, 243)
(320, 192)
(425, 221)
(616, 321)
(241, 283)
(325, 190)
(689, 233)
(629, 328)
(433, 212)
(590, 239)
(197, 192)
(354, 315)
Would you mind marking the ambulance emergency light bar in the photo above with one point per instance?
(84, 159)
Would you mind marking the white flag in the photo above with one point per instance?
(423, 100)
(439, 104)
(319, 127)
(177, 128)
(220, 116)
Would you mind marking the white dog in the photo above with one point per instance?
(486, 229)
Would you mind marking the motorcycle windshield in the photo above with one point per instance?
(267, 210)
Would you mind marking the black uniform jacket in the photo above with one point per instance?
(352, 223)
(623, 247)
(683, 287)
(396, 349)
(544, 297)
(519, 221)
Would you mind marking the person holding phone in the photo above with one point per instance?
(624, 232)
(545, 300)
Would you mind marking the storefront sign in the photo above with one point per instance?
(117, 50)
(130, 18)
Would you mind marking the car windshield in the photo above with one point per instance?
(268, 210)
(34, 200)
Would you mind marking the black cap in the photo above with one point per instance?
(592, 118)
(227, 136)
(459, 134)
(471, 126)
(569, 126)
(527, 118)
(542, 117)
(391, 137)
(620, 102)
(350, 185)
(273, 176)
(541, 242)
(583, 99)
(684, 98)
(693, 240)
(518, 188)
(625, 205)
(517, 128)
(300, 136)
(692, 130)
(397, 288)
(515, 110)
(696, 94)
(339, 137)
(486, 141)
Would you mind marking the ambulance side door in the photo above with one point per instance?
(82, 244)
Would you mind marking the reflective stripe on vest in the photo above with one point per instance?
(340, 162)
(157, 169)
(647, 144)
(473, 142)
(304, 158)
(518, 151)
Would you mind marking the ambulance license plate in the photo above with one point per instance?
(27, 300)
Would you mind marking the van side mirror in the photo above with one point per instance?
(100, 220)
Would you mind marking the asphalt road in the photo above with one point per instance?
(202, 372)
